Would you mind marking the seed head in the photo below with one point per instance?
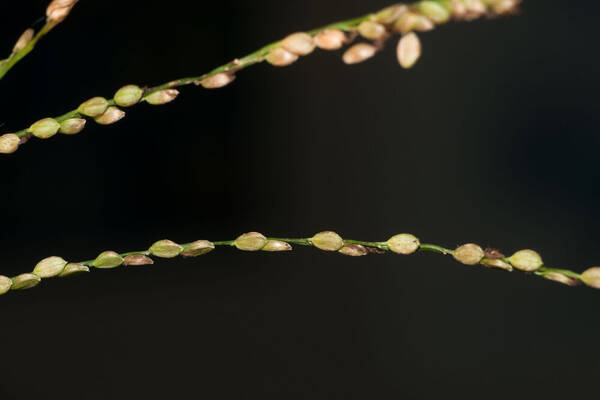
(110, 116)
(25, 281)
(93, 107)
(72, 126)
(277, 245)
(591, 277)
(496, 263)
(5, 284)
(299, 43)
(526, 260)
(371, 30)
(44, 128)
(330, 39)
(24, 40)
(162, 96)
(475, 8)
(505, 6)
(58, 10)
(72, 269)
(390, 14)
(217, 81)
(359, 53)
(353, 250)
(137, 259)
(328, 241)
(408, 50)
(468, 254)
(197, 248)
(404, 243)
(108, 259)
(459, 10)
(49, 267)
(9, 143)
(280, 57)
(560, 278)
(251, 241)
(424, 24)
(166, 249)
(128, 95)
(410, 21)
(434, 11)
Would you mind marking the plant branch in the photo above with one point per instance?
(375, 27)
(15, 57)
(56, 12)
(527, 261)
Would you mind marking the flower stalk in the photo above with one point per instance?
(374, 29)
(527, 261)
(56, 12)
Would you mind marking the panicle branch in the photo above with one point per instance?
(527, 261)
(374, 30)
(56, 12)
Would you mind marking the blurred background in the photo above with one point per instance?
(492, 138)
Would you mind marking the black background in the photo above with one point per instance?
(492, 138)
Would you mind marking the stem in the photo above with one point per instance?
(435, 249)
(237, 64)
(16, 57)
(566, 272)
(379, 245)
(258, 56)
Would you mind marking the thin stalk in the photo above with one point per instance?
(260, 55)
(55, 14)
(237, 64)
(435, 249)
(282, 244)
(566, 272)
(16, 57)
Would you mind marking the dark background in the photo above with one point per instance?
(492, 138)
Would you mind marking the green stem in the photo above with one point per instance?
(233, 66)
(301, 242)
(424, 247)
(566, 272)
(16, 57)
(435, 249)
(382, 247)
(377, 245)
(246, 61)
